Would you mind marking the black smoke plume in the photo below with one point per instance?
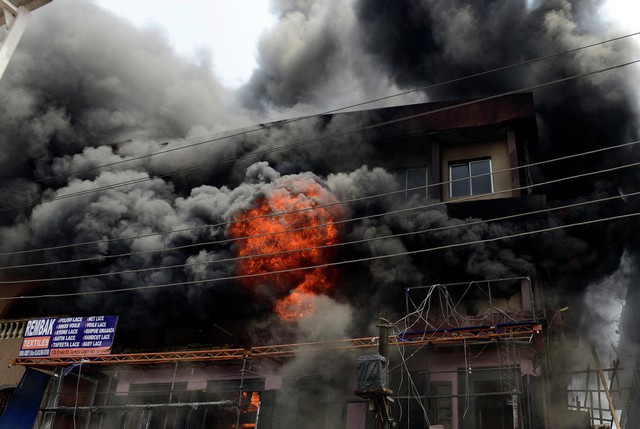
(86, 89)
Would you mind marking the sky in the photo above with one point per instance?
(623, 13)
(228, 30)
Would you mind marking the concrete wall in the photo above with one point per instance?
(9, 376)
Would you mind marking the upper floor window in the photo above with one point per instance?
(416, 183)
(470, 178)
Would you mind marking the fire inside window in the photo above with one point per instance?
(470, 178)
(416, 183)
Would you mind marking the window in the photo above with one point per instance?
(5, 394)
(487, 404)
(416, 178)
(440, 403)
(470, 178)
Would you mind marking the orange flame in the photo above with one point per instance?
(288, 228)
(252, 402)
(255, 399)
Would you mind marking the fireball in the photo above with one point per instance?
(288, 228)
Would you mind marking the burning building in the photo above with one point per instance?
(248, 268)
(479, 344)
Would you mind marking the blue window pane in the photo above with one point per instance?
(460, 188)
(482, 184)
(416, 178)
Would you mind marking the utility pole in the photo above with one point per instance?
(373, 378)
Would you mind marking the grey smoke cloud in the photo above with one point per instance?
(87, 89)
(313, 59)
(104, 82)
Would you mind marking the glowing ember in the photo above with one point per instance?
(288, 226)
(255, 399)
(252, 403)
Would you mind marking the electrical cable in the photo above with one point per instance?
(336, 110)
(442, 322)
(330, 264)
(465, 283)
(396, 235)
(346, 261)
(401, 351)
(468, 356)
(227, 223)
(239, 258)
(75, 405)
(477, 283)
(324, 137)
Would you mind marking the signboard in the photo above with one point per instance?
(69, 336)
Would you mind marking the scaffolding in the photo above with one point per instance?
(596, 391)
(468, 306)
(177, 402)
(440, 321)
(523, 331)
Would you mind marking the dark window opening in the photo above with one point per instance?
(483, 402)
(440, 404)
(416, 183)
(5, 394)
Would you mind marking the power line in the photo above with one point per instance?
(345, 243)
(330, 264)
(337, 222)
(325, 246)
(324, 137)
(222, 224)
(327, 112)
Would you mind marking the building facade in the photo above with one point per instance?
(469, 351)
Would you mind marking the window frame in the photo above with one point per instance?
(469, 179)
(409, 194)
